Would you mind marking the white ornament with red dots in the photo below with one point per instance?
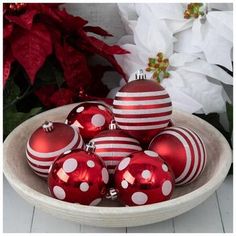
(184, 150)
(48, 142)
(78, 177)
(143, 178)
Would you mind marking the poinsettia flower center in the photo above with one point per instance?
(159, 66)
(194, 10)
(14, 8)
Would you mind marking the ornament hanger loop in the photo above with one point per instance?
(90, 147)
(112, 125)
(140, 75)
(112, 194)
(47, 126)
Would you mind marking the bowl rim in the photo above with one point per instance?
(38, 197)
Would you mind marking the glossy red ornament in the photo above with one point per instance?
(90, 118)
(143, 178)
(78, 176)
(142, 108)
(48, 142)
(184, 150)
(113, 145)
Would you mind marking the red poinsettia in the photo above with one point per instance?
(35, 32)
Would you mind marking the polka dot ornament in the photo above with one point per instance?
(71, 178)
(143, 178)
(90, 118)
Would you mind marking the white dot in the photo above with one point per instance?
(95, 202)
(79, 109)
(84, 187)
(101, 107)
(67, 152)
(98, 120)
(70, 165)
(66, 121)
(124, 163)
(105, 175)
(164, 167)
(146, 174)
(124, 184)
(166, 187)
(90, 164)
(151, 153)
(139, 198)
(59, 192)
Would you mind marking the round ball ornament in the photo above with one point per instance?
(143, 178)
(184, 150)
(78, 176)
(48, 142)
(90, 118)
(142, 108)
(113, 145)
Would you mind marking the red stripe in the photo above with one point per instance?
(137, 107)
(145, 124)
(143, 115)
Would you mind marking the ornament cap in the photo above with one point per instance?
(112, 125)
(140, 75)
(47, 126)
(90, 147)
(112, 194)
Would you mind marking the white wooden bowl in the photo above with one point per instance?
(109, 214)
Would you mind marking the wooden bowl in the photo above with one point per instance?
(110, 214)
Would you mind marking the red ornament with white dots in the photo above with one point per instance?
(90, 118)
(184, 150)
(78, 176)
(143, 178)
(142, 108)
(48, 142)
(113, 145)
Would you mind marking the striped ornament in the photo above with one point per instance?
(113, 145)
(44, 146)
(184, 150)
(142, 108)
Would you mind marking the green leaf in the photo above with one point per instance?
(12, 118)
(229, 110)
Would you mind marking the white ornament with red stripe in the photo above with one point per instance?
(142, 108)
(184, 150)
(113, 145)
(48, 142)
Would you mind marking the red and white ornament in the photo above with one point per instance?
(90, 118)
(184, 150)
(143, 178)
(113, 145)
(48, 142)
(78, 176)
(142, 108)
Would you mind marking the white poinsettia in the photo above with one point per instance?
(194, 85)
(205, 30)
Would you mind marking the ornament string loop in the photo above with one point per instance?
(112, 125)
(112, 194)
(140, 75)
(90, 147)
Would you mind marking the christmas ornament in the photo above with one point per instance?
(48, 142)
(142, 108)
(113, 145)
(143, 178)
(90, 118)
(184, 150)
(78, 176)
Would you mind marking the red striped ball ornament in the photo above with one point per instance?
(184, 150)
(113, 145)
(142, 108)
(48, 142)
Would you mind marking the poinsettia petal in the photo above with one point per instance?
(7, 30)
(126, 39)
(7, 62)
(97, 30)
(31, 48)
(204, 68)
(25, 20)
(62, 97)
(179, 59)
(220, 6)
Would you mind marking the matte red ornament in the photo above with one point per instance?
(113, 145)
(48, 142)
(90, 118)
(143, 178)
(142, 108)
(184, 150)
(78, 176)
